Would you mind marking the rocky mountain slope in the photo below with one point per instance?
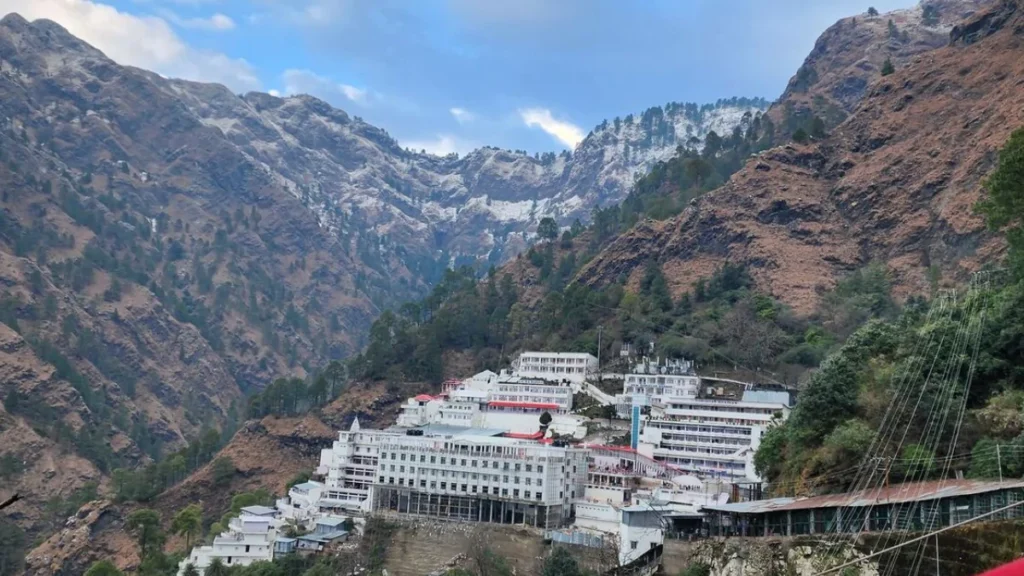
(429, 212)
(166, 246)
(894, 183)
(849, 55)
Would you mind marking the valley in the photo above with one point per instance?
(201, 289)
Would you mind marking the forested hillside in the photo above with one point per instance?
(892, 398)
(535, 302)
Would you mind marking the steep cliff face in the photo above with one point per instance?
(848, 57)
(895, 182)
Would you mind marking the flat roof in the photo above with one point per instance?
(259, 510)
(448, 430)
(331, 521)
(894, 494)
(531, 405)
(308, 485)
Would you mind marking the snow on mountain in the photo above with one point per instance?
(485, 205)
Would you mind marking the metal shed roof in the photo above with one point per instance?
(894, 494)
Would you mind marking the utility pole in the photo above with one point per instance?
(599, 329)
(936, 555)
(999, 462)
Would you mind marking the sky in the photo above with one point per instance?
(452, 75)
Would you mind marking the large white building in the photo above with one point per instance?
(349, 467)
(470, 475)
(655, 382)
(556, 366)
(507, 401)
(445, 472)
(712, 438)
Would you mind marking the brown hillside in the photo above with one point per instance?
(848, 56)
(266, 453)
(896, 182)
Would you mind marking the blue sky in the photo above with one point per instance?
(455, 74)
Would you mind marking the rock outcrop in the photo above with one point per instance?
(848, 57)
(896, 182)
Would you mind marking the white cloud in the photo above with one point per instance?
(307, 82)
(352, 93)
(274, 93)
(216, 23)
(461, 115)
(442, 145)
(143, 41)
(565, 132)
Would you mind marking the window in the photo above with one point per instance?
(529, 468)
(540, 468)
(444, 485)
(246, 547)
(391, 480)
(381, 479)
(515, 493)
(463, 461)
(517, 467)
(463, 487)
(504, 491)
(433, 485)
(423, 457)
(423, 483)
(392, 467)
(403, 457)
(474, 488)
(473, 463)
(494, 464)
(517, 480)
(442, 460)
(433, 460)
(401, 469)
(540, 495)
(484, 490)
(632, 544)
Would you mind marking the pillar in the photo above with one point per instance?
(789, 522)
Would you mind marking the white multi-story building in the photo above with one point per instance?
(444, 471)
(249, 538)
(469, 475)
(302, 504)
(556, 366)
(349, 467)
(488, 400)
(655, 382)
(709, 437)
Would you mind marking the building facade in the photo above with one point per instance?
(479, 478)
(349, 467)
(249, 538)
(709, 437)
(505, 400)
(556, 366)
(655, 382)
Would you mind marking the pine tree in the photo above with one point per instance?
(888, 67)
